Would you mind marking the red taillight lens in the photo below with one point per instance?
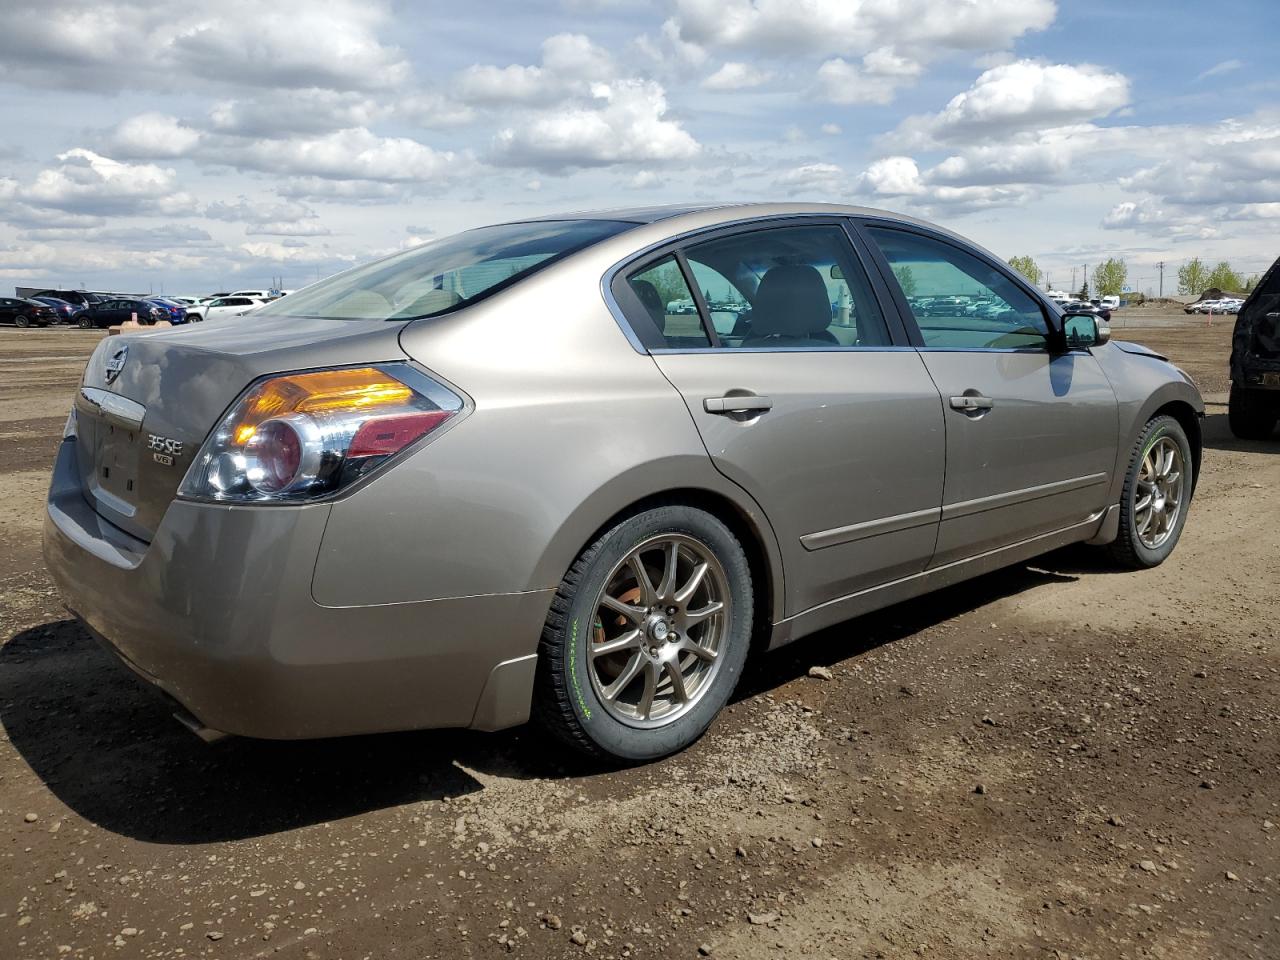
(274, 456)
(383, 436)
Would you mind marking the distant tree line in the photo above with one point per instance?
(1194, 278)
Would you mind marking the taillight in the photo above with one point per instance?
(301, 436)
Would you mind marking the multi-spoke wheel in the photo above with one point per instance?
(1157, 489)
(1159, 498)
(647, 635)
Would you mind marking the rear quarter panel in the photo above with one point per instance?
(570, 425)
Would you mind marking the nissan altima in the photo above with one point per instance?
(499, 477)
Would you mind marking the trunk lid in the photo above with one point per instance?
(148, 400)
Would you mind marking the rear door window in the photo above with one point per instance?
(795, 287)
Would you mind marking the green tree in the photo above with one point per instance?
(1193, 278)
(1109, 277)
(1250, 284)
(1027, 267)
(669, 282)
(906, 280)
(1224, 278)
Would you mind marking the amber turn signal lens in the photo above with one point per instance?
(362, 388)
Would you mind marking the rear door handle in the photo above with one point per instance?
(732, 404)
(969, 403)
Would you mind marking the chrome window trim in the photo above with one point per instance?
(680, 240)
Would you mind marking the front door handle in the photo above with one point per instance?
(737, 404)
(972, 404)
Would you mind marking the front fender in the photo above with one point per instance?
(1145, 383)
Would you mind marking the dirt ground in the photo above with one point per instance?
(1057, 760)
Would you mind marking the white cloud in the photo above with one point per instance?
(242, 210)
(827, 180)
(88, 183)
(283, 228)
(1024, 95)
(92, 44)
(736, 76)
(876, 81)
(356, 154)
(153, 135)
(570, 63)
(623, 122)
(831, 129)
(312, 110)
(833, 27)
(1226, 66)
(892, 177)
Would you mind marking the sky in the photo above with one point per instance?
(189, 148)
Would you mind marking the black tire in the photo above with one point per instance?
(565, 701)
(84, 323)
(22, 321)
(1252, 414)
(1128, 550)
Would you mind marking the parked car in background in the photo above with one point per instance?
(81, 298)
(233, 306)
(110, 313)
(176, 312)
(26, 312)
(400, 504)
(66, 311)
(263, 295)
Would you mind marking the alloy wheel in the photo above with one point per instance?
(1158, 498)
(661, 622)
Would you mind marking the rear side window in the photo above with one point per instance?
(665, 296)
(960, 301)
(446, 274)
(787, 288)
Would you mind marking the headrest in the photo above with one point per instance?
(791, 301)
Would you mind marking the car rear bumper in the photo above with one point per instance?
(217, 611)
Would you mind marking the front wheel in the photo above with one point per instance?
(647, 636)
(1252, 414)
(22, 321)
(1157, 493)
(84, 323)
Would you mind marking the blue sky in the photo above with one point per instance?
(200, 147)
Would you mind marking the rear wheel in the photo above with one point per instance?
(84, 323)
(1157, 493)
(647, 636)
(1252, 414)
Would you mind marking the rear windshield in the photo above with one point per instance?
(445, 274)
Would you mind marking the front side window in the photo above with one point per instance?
(444, 275)
(787, 288)
(665, 296)
(959, 300)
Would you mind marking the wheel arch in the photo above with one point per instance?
(733, 507)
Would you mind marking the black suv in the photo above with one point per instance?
(109, 313)
(1255, 361)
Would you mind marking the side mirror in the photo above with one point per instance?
(1085, 330)
(836, 272)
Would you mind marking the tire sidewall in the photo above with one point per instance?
(1161, 427)
(613, 735)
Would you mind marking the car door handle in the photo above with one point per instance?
(737, 404)
(969, 403)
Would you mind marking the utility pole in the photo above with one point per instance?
(1073, 281)
(1161, 266)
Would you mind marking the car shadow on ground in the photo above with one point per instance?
(1218, 436)
(109, 748)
